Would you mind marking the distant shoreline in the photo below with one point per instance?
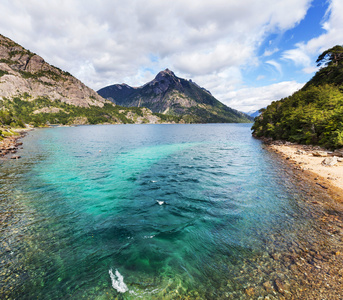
(308, 161)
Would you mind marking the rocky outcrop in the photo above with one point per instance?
(146, 118)
(25, 73)
(48, 110)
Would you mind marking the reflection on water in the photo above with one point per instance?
(163, 211)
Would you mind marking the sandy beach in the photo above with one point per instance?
(323, 167)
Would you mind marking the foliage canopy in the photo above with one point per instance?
(313, 115)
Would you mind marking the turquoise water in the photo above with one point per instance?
(145, 211)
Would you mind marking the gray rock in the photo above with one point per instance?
(319, 153)
(41, 78)
(300, 152)
(338, 152)
(330, 161)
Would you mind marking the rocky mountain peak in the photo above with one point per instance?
(171, 95)
(165, 75)
(163, 81)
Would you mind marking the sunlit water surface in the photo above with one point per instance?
(144, 211)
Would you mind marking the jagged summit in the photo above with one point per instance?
(169, 94)
(165, 73)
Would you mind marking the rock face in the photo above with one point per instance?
(25, 73)
(169, 94)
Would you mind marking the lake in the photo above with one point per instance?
(150, 212)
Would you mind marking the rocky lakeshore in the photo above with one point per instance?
(317, 262)
(323, 167)
(10, 145)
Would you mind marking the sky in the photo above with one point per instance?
(247, 53)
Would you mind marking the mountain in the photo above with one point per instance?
(253, 113)
(23, 72)
(33, 91)
(314, 114)
(168, 94)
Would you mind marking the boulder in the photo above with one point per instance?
(300, 152)
(338, 152)
(330, 161)
(319, 153)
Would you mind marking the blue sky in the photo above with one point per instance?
(248, 53)
(275, 67)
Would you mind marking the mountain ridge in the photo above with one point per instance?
(37, 93)
(169, 94)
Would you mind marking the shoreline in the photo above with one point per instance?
(10, 145)
(320, 256)
(323, 168)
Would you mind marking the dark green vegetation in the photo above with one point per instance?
(42, 111)
(314, 114)
(168, 94)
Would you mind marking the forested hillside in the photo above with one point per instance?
(313, 115)
(37, 93)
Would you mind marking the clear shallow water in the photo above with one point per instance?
(145, 211)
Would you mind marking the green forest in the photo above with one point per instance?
(314, 114)
(16, 112)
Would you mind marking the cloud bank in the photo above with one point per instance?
(213, 42)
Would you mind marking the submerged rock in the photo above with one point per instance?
(279, 286)
(15, 157)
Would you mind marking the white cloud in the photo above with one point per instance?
(251, 99)
(276, 65)
(310, 70)
(299, 56)
(117, 37)
(260, 77)
(110, 41)
(270, 52)
(305, 53)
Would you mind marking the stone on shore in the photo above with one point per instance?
(320, 153)
(330, 161)
(338, 152)
(300, 152)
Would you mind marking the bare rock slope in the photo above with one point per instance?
(23, 72)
